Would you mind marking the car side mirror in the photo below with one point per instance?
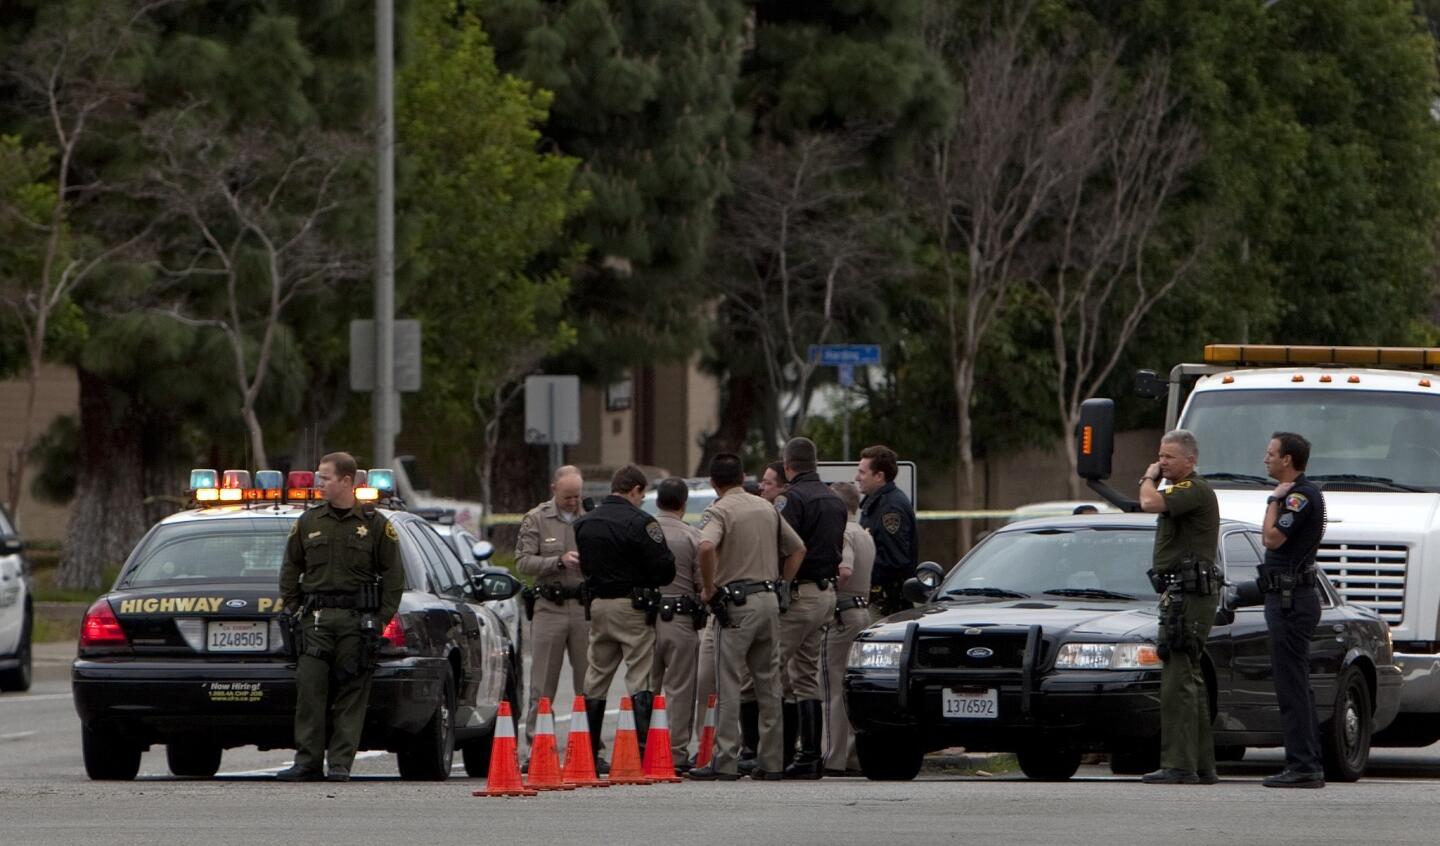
(928, 576)
(494, 585)
(11, 546)
(482, 550)
(1224, 616)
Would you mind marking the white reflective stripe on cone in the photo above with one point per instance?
(627, 717)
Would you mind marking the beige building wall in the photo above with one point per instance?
(59, 394)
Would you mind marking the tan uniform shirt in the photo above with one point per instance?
(859, 557)
(684, 542)
(544, 538)
(749, 537)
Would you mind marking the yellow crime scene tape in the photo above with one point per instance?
(514, 519)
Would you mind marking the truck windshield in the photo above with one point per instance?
(1380, 440)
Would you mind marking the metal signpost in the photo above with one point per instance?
(846, 357)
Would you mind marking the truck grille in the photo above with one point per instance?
(953, 651)
(1368, 574)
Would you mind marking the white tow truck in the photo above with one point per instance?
(1372, 416)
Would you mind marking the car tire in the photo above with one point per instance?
(109, 757)
(1345, 737)
(192, 759)
(20, 678)
(1135, 761)
(428, 755)
(1048, 763)
(888, 756)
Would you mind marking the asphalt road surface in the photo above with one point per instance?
(45, 798)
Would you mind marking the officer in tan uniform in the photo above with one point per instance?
(545, 551)
(772, 487)
(676, 637)
(742, 540)
(850, 617)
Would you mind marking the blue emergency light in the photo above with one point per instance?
(381, 479)
(269, 480)
(204, 479)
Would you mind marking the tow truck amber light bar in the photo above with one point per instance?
(1423, 358)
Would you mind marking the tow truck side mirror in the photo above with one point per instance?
(1150, 386)
(1095, 439)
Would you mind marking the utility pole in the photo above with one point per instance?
(384, 401)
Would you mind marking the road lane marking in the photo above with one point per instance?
(16, 735)
(374, 753)
(40, 697)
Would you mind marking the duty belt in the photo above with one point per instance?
(737, 592)
(822, 583)
(1278, 581)
(560, 594)
(673, 605)
(845, 603)
(331, 599)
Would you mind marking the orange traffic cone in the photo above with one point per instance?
(659, 763)
(579, 755)
(544, 757)
(704, 756)
(504, 779)
(625, 767)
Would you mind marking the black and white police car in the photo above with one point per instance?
(185, 650)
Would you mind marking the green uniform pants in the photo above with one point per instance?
(1185, 740)
(330, 683)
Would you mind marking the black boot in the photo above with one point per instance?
(749, 737)
(595, 717)
(641, 705)
(790, 714)
(809, 763)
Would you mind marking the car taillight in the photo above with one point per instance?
(394, 633)
(101, 627)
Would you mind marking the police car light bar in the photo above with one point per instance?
(367, 494)
(381, 479)
(1423, 358)
(299, 487)
(204, 479)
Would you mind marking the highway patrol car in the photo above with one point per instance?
(186, 649)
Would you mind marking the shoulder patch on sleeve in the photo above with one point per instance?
(656, 533)
(1296, 502)
(1179, 486)
(390, 531)
(892, 521)
(1286, 520)
(781, 501)
(294, 527)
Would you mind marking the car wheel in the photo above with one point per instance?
(888, 756)
(1135, 761)
(109, 757)
(428, 755)
(1049, 763)
(197, 760)
(1346, 737)
(20, 677)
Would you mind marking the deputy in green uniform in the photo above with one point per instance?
(1187, 534)
(335, 551)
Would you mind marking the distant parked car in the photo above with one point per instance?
(17, 609)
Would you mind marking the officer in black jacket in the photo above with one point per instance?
(887, 514)
(818, 516)
(1293, 527)
(626, 561)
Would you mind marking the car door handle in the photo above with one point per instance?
(1337, 627)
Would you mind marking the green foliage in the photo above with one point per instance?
(487, 215)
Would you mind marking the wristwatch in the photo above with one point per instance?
(1152, 480)
(1273, 498)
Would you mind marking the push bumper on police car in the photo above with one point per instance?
(942, 690)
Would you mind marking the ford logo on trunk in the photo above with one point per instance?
(980, 652)
(235, 603)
